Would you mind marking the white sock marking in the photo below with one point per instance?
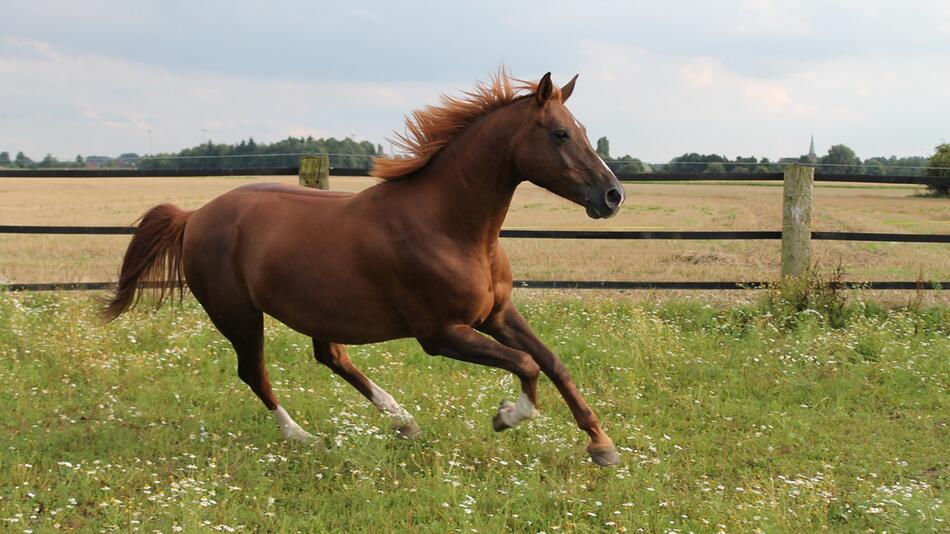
(512, 413)
(388, 405)
(288, 427)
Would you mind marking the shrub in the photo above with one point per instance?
(793, 298)
(939, 166)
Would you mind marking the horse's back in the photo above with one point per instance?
(254, 212)
(268, 204)
(310, 258)
(290, 190)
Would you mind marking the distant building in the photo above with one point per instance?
(808, 159)
(125, 161)
(96, 162)
(811, 156)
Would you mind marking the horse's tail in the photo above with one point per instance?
(153, 260)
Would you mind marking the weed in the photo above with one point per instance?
(810, 294)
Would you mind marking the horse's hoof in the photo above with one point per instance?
(498, 425)
(499, 422)
(604, 455)
(299, 435)
(408, 430)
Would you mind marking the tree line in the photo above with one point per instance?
(840, 159)
(348, 153)
(343, 153)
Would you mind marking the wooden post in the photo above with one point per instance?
(315, 171)
(796, 219)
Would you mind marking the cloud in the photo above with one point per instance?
(736, 76)
(92, 104)
(654, 105)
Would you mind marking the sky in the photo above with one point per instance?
(732, 77)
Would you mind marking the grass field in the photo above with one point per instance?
(728, 420)
(676, 206)
(737, 417)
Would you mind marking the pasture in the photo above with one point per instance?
(733, 417)
(728, 420)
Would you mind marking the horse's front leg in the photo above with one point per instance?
(461, 342)
(509, 327)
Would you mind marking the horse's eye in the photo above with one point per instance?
(561, 135)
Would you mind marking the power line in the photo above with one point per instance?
(288, 154)
(766, 164)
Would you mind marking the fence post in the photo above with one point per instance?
(315, 171)
(796, 219)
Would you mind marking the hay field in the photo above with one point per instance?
(669, 206)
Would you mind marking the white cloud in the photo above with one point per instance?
(656, 106)
(734, 77)
(92, 104)
(700, 73)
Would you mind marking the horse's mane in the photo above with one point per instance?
(430, 128)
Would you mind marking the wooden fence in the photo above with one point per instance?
(796, 233)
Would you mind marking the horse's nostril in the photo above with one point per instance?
(613, 197)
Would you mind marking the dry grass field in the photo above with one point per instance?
(675, 206)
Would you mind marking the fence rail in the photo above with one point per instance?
(563, 234)
(310, 172)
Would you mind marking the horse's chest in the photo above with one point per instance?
(462, 288)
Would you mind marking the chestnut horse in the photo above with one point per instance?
(416, 255)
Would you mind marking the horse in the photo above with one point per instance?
(416, 255)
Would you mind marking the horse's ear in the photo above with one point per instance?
(545, 89)
(568, 89)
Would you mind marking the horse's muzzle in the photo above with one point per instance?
(606, 204)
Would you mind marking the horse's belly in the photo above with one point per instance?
(346, 325)
(331, 307)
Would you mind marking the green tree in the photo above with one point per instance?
(80, 162)
(4, 159)
(344, 153)
(631, 165)
(875, 167)
(766, 165)
(716, 167)
(939, 167)
(906, 166)
(696, 163)
(603, 148)
(22, 161)
(839, 160)
(627, 164)
(48, 162)
(747, 164)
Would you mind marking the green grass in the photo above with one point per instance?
(725, 421)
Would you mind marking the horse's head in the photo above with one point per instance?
(551, 150)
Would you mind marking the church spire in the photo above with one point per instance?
(811, 150)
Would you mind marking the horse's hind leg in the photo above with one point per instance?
(243, 325)
(334, 356)
(208, 260)
(462, 343)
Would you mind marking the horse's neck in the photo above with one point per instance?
(473, 179)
